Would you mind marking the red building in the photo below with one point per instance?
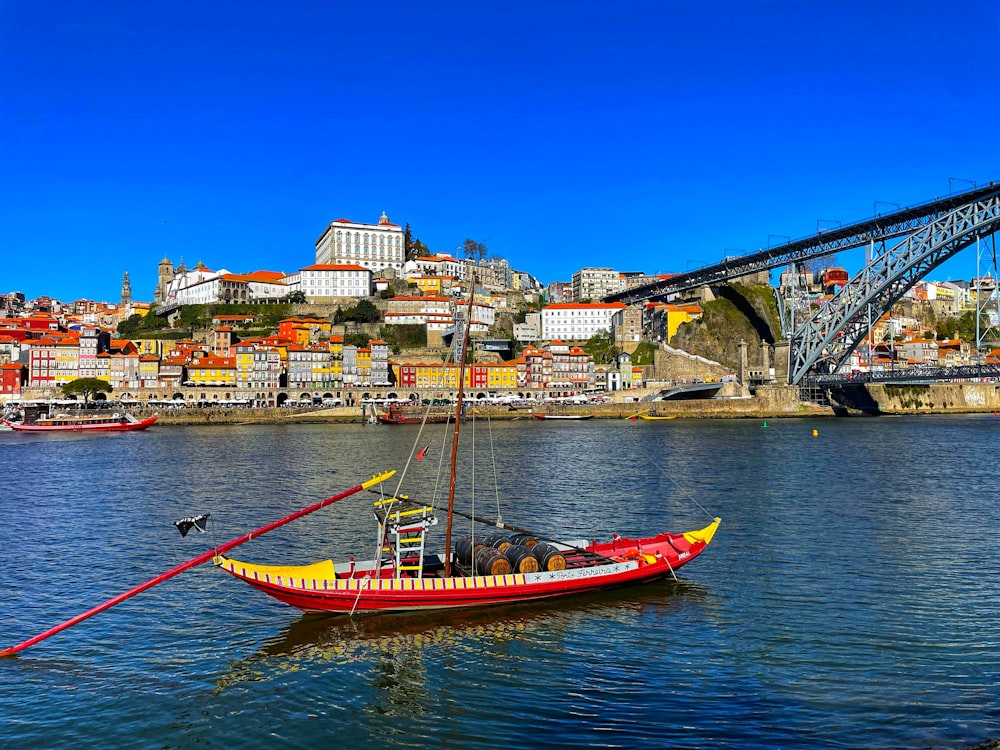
(12, 377)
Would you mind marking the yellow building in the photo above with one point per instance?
(336, 344)
(502, 377)
(67, 361)
(212, 370)
(149, 371)
(364, 365)
(434, 286)
(152, 347)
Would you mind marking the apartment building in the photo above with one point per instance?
(577, 321)
(377, 247)
(592, 284)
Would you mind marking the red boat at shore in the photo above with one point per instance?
(85, 423)
(400, 414)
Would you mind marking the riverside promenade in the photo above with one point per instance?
(771, 402)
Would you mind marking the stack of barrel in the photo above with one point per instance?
(498, 554)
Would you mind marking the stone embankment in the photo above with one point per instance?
(770, 402)
(936, 398)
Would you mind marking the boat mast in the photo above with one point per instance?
(458, 421)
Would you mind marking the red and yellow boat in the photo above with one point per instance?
(384, 586)
(89, 423)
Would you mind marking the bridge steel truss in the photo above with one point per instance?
(825, 341)
(876, 230)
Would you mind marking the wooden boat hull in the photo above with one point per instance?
(413, 419)
(622, 562)
(563, 416)
(653, 418)
(397, 414)
(83, 427)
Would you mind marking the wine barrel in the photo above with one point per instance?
(489, 562)
(549, 558)
(465, 550)
(520, 558)
(526, 539)
(497, 541)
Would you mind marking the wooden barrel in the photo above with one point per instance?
(526, 539)
(520, 558)
(549, 558)
(497, 541)
(489, 562)
(465, 550)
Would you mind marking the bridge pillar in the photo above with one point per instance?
(782, 352)
(741, 375)
(765, 359)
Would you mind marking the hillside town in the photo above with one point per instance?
(382, 314)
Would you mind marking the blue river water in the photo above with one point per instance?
(850, 599)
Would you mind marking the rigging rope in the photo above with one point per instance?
(681, 490)
(493, 456)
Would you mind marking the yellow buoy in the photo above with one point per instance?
(815, 433)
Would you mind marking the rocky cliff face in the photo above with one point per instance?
(740, 313)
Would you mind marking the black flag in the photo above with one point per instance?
(194, 522)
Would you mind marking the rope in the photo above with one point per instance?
(681, 490)
(493, 456)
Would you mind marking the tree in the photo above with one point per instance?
(412, 247)
(86, 387)
(298, 297)
(474, 250)
(601, 346)
(366, 312)
(129, 327)
(360, 340)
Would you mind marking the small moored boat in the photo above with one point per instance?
(400, 414)
(117, 422)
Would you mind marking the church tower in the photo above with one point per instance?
(165, 274)
(126, 291)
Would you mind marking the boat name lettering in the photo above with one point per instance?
(573, 573)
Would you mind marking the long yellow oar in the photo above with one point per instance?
(203, 558)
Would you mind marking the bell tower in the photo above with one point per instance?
(126, 291)
(165, 275)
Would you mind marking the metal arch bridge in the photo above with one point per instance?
(928, 234)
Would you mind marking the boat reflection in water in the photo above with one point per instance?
(396, 645)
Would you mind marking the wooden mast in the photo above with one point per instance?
(458, 421)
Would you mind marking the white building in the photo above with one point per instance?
(201, 286)
(437, 313)
(441, 264)
(327, 281)
(266, 285)
(376, 247)
(577, 321)
(184, 279)
(492, 274)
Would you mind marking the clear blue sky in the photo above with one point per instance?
(653, 136)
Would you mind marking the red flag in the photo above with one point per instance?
(421, 452)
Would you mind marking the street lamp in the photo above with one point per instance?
(960, 179)
(884, 203)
